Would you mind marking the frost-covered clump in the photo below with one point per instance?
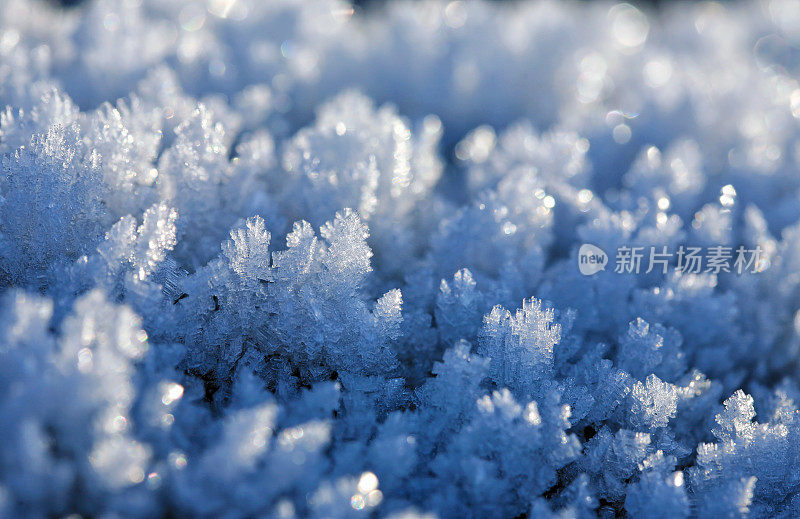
(309, 259)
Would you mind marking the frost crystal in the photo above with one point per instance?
(321, 259)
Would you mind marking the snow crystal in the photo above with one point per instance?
(319, 259)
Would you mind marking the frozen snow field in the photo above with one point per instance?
(413, 259)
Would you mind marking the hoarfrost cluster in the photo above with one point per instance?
(304, 259)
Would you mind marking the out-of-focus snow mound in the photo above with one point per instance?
(291, 258)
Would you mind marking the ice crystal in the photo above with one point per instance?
(315, 259)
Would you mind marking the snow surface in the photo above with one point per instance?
(291, 258)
